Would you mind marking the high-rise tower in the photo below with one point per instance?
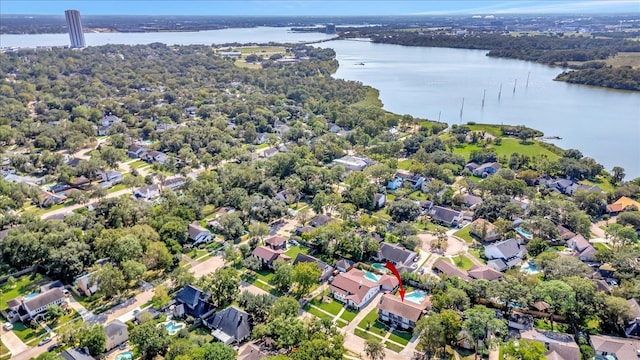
(75, 28)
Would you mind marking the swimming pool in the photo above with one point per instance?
(416, 296)
(530, 268)
(525, 234)
(127, 355)
(371, 276)
(173, 327)
(380, 267)
(31, 296)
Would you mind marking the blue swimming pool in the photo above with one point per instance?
(417, 296)
(173, 327)
(530, 268)
(31, 296)
(371, 276)
(379, 266)
(127, 355)
(524, 233)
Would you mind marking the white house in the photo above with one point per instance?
(356, 288)
(117, 333)
(505, 254)
(198, 234)
(31, 307)
(85, 286)
(147, 192)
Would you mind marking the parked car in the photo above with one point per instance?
(8, 326)
(52, 347)
(44, 341)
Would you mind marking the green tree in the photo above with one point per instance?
(617, 311)
(215, 350)
(374, 349)
(304, 276)
(54, 312)
(252, 263)
(282, 276)
(403, 210)
(285, 306)
(160, 296)
(617, 174)
(150, 339)
(132, 270)
(225, 283)
(481, 324)
(560, 297)
(525, 350)
(259, 231)
(109, 279)
(93, 338)
(182, 277)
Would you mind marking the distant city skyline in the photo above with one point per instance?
(318, 8)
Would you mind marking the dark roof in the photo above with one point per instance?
(265, 253)
(275, 241)
(44, 299)
(320, 220)
(114, 328)
(498, 264)
(232, 322)
(194, 299)
(484, 272)
(406, 309)
(174, 181)
(446, 267)
(396, 253)
(52, 285)
(73, 354)
(308, 258)
(443, 214)
(470, 199)
(344, 264)
(195, 229)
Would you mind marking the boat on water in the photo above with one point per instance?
(360, 63)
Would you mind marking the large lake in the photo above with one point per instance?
(431, 83)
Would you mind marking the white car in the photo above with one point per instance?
(8, 326)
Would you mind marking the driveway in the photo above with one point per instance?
(12, 342)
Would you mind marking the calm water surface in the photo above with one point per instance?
(431, 83)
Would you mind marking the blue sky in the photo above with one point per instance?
(313, 7)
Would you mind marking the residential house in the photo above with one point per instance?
(270, 152)
(85, 285)
(252, 352)
(109, 120)
(286, 196)
(558, 345)
(268, 256)
(379, 200)
(445, 216)
(471, 201)
(174, 183)
(486, 169)
(482, 272)
(31, 307)
(136, 152)
(111, 176)
(344, 265)
(520, 321)
(276, 243)
(79, 182)
(402, 258)
(76, 354)
(471, 167)
(59, 187)
(261, 138)
(565, 234)
(444, 266)
(333, 128)
(193, 301)
(415, 181)
(356, 288)
(117, 333)
(505, 254)
(632, 327)
(425, 206)
(325, 269)
(157, 156)
(198, 234)
(581, 247)
(230, 326)
(320, 220)
(484, 230)
(623, 204)
(523, 205)
(49, 199)
(395, 183)
(401, 314)
(280, 127)
(611, 347)
(353, 163)
(103, 130)
(147, 192)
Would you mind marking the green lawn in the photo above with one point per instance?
(332, 307)
(393, 347)
(264, 275)
(315, 312)
(600, 246)
(405, 164)
(365, 335)
(369, 319)
(138, 164)
(371, 99)
(202, 332)
(382, 213)
(23, 286)
(464, 234)
(260, 49)
(491, 129)
(600, 182)
(293, 251)
(67, 317)
(463, 262)
(262, 146)
(477, 255)
(3, 350)
(391, 197)
(543, 324)
(508, 147)
(348, 315)
(401, 337)
(26, 334)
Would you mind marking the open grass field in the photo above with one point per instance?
(464, 234)
(508, 147)
(243, 64)
(260, 50)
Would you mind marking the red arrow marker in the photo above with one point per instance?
(389, 265)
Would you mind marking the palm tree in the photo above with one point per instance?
(374, 350)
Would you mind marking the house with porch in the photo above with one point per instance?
(136, 152)
(486, 169)
(401, 314)
(268, 256)
(229, 326)
(197, 234)
(505, 254)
